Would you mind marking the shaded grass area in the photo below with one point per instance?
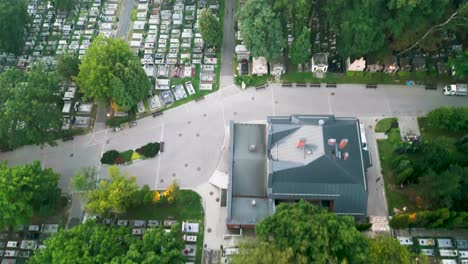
(187, 206)
(384, 124)
(396, 197)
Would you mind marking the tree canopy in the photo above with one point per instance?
(29, 107)
(313, 234)
(84, 180)
(66, 5)
(261, 29)
(304, 233)
(110, 70)
(301, 48)
(67, 66)
(26, 190)
(13, 20)
(94, 243)
(210, 28)
(112, 196)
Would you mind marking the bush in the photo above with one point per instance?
(441, 218)
(450, 118)
(127, 155)
(135, 156)
(402, 169)
(119, 160)
(363, 226)
(149, 150)
(144, 195)
(118, 120)
(462, 144)
(437, 154)
(109, 157)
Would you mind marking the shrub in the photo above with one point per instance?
(402, 168)
(462, 144)
(135, 156)
(450, 118)
(149, 150)
(441, 218)
(144, 195)
(119, 160)
(127, 155)
(118, 120)
(363, 226)
(109, 157)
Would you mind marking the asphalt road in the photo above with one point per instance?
(125, 18)
(228, 44)
(194, 133)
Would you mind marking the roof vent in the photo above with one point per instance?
(321, 122)
(331, 142)
(343, 143)
(254, 203)
(252, 148)
(300, 143)
(345, 156)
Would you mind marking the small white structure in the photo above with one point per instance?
(405, 241)
(190, 227)
(242, 52)
(356, 65)
(139, 25)
(319, 62)
(445, 243)
(259, 66)
(448, 252)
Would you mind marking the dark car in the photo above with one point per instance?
(244, 67)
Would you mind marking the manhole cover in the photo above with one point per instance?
(276, 102)
(198, 169)
(186, 165)
(235, 113)
(71, 155)
(332, 93)
(370, 126)
(189, 122)
(107, 141)
(205, 246)
(217, 199)
(161, 181)
(209, 230)
(253, 98)
(211, 193)
(197, 135)
(174, 174)
(204, 115)
(180, 134)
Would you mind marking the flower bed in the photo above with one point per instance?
(112, 157)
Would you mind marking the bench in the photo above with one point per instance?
(302, 85)
(430, 87)
(260, 87)
(331, 85)
(161, 146)
(287, 84)
(158, 113)
(371, 86)
(199, 98)
(315, 85)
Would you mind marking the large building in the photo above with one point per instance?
(321, 159)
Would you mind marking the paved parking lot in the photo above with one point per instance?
(194, 133)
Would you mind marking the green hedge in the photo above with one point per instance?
(441, 218)
(127, 155)
(450, 118)
(149, 150)
(109, 157)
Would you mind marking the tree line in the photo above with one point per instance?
(361, 27)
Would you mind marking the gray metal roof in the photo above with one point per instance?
(328, 174)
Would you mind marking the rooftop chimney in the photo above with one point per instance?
(345, 156)
(343, 143)
(331, 142)
(321, 122)
(254, 203)
(252, 148)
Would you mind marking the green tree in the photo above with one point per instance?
(26, 190)
(66, 5)
(450, 118)
(157, 246)
(387, 250)
(68, 66)
(460, 64)
(437, 154)
(84, 180)
(112, 196)
(109, 71)
(301, 48)
(13, 20)
(313, 234)
(210, 28)
(251, 251)
(261, 29)
(440, 190)
(29, 107)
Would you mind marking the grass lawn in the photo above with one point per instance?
(396, 197)
(186, 207)
(384, 124)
